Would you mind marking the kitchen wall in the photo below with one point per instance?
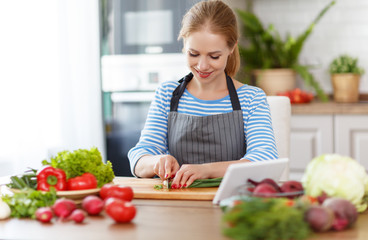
(343, 29)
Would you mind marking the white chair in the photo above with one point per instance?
(280, 108)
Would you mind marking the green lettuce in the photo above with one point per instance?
(337, 176)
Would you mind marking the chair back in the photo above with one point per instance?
(280, 109)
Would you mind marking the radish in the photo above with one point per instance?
(93, 205)
(63, 207)
(77, 216)
(44, 214)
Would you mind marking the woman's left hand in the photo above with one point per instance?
(186, 175)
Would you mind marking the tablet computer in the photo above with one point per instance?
(237, 174)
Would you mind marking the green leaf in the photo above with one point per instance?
(265, 48)
(258, 218)
(310, 81)
(80, 161)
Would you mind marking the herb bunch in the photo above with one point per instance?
(265, 219)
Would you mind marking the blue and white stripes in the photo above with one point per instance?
(256, 117)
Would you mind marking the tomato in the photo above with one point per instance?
(117, 191)
(105, 188)
(119, 210)
(85, 181)
(297, 96)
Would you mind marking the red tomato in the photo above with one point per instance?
(297, 96)
(119, 210)
(105, 188)
(117, 191)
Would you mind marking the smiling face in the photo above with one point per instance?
(207, 55)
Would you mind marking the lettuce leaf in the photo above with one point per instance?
(80, 161)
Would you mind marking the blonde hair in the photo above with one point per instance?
(221, 20)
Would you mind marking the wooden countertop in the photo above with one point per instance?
(331, 107)
(155, 219)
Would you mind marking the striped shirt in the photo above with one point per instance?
(258, 131)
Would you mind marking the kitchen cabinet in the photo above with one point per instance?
(321, 128)
(310, 136)
(351, 137)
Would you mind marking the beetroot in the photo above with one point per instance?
(291, 186)
(268, 181)
(63, 207)
(345, 212)
(77, 216)
(319, 218)
(93, 205)
(44, 214)
(264, 190)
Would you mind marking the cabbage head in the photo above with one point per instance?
(337, 176)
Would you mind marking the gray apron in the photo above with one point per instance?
(204, 139)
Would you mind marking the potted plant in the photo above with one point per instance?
(267, 52)
(345, 78)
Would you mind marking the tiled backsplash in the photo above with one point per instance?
(343, 29)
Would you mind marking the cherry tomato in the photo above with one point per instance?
(117, 191)
(119, 210)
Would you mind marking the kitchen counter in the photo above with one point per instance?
(331, 107)
(155, 219)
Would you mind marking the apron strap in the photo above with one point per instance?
(178, 92)
(233, 95)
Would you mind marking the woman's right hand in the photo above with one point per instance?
(166, 167)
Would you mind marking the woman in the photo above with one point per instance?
(200, 125)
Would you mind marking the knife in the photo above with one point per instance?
(165, 183)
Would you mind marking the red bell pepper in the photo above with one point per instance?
(51, 177)
(85, 181)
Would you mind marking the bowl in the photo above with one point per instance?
(244, 190)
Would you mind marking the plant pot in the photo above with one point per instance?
(274, 81)
(345, 87)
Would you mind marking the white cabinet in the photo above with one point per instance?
(351, 137)
(313, 135)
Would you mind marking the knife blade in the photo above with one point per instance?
(165, 183)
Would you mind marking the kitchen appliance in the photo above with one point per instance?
(147, 26)
(143, 51)
(129, 82)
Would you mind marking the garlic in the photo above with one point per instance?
(4, 208)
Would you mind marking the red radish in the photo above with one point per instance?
(44, 214)
(93, 205)
(77, 215)
(64, 207)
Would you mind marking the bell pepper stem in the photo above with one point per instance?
(52, 180)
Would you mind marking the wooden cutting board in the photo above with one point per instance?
(143, 189)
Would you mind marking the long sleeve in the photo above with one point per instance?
(260, 140)
(153, 139)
